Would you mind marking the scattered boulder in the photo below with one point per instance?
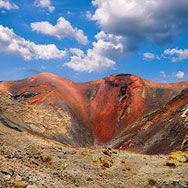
(177, 158)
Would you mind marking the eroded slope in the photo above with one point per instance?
(106, 112)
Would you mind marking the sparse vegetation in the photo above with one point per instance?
(126, 169)
(69, 168)
(19, 184)
(46, 158)
(95, 160)
(107, 151)
(63, 167)
(84, 153)
(176, 158)
(88, 178)
(103, 167)
(151, 181)
(73, 180)
(106, 162)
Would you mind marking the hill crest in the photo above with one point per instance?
(105, 112)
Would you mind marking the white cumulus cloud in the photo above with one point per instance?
(142, 20)
(176, 54)
(7, 5)
(109, 45)
(11, 43)
(62, 29)
(180, 74)
(44, 4)
(100, 57)
(90, 62)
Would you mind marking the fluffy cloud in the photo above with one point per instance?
(176, 54)
(100, 57)
(90, 62)
(77, 52)
(11, 43)
(44, 4)
(180, 74)
(150, 56)
(172, 77)
(62, 29)
(141, 20)
(109, 45)
(7, 5)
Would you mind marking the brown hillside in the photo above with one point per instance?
(121, 111)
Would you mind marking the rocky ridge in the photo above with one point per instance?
(120, 131)
(120, 111)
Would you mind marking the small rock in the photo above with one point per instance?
(18, 178)
(7, 177)
(77, 185)
(7, 171)
(107, 151)
(55, 173)
(9, 156)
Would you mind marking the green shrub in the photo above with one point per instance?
(89, 178)
(19, 184)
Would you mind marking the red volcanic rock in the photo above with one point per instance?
(110, 111)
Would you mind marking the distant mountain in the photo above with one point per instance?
(120, 111)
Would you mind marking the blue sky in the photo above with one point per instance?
(89, 39)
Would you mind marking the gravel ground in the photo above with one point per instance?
(31, 161)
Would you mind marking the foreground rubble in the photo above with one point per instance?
(27, 160)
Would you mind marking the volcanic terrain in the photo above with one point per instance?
(120, 111)
(56, 133)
